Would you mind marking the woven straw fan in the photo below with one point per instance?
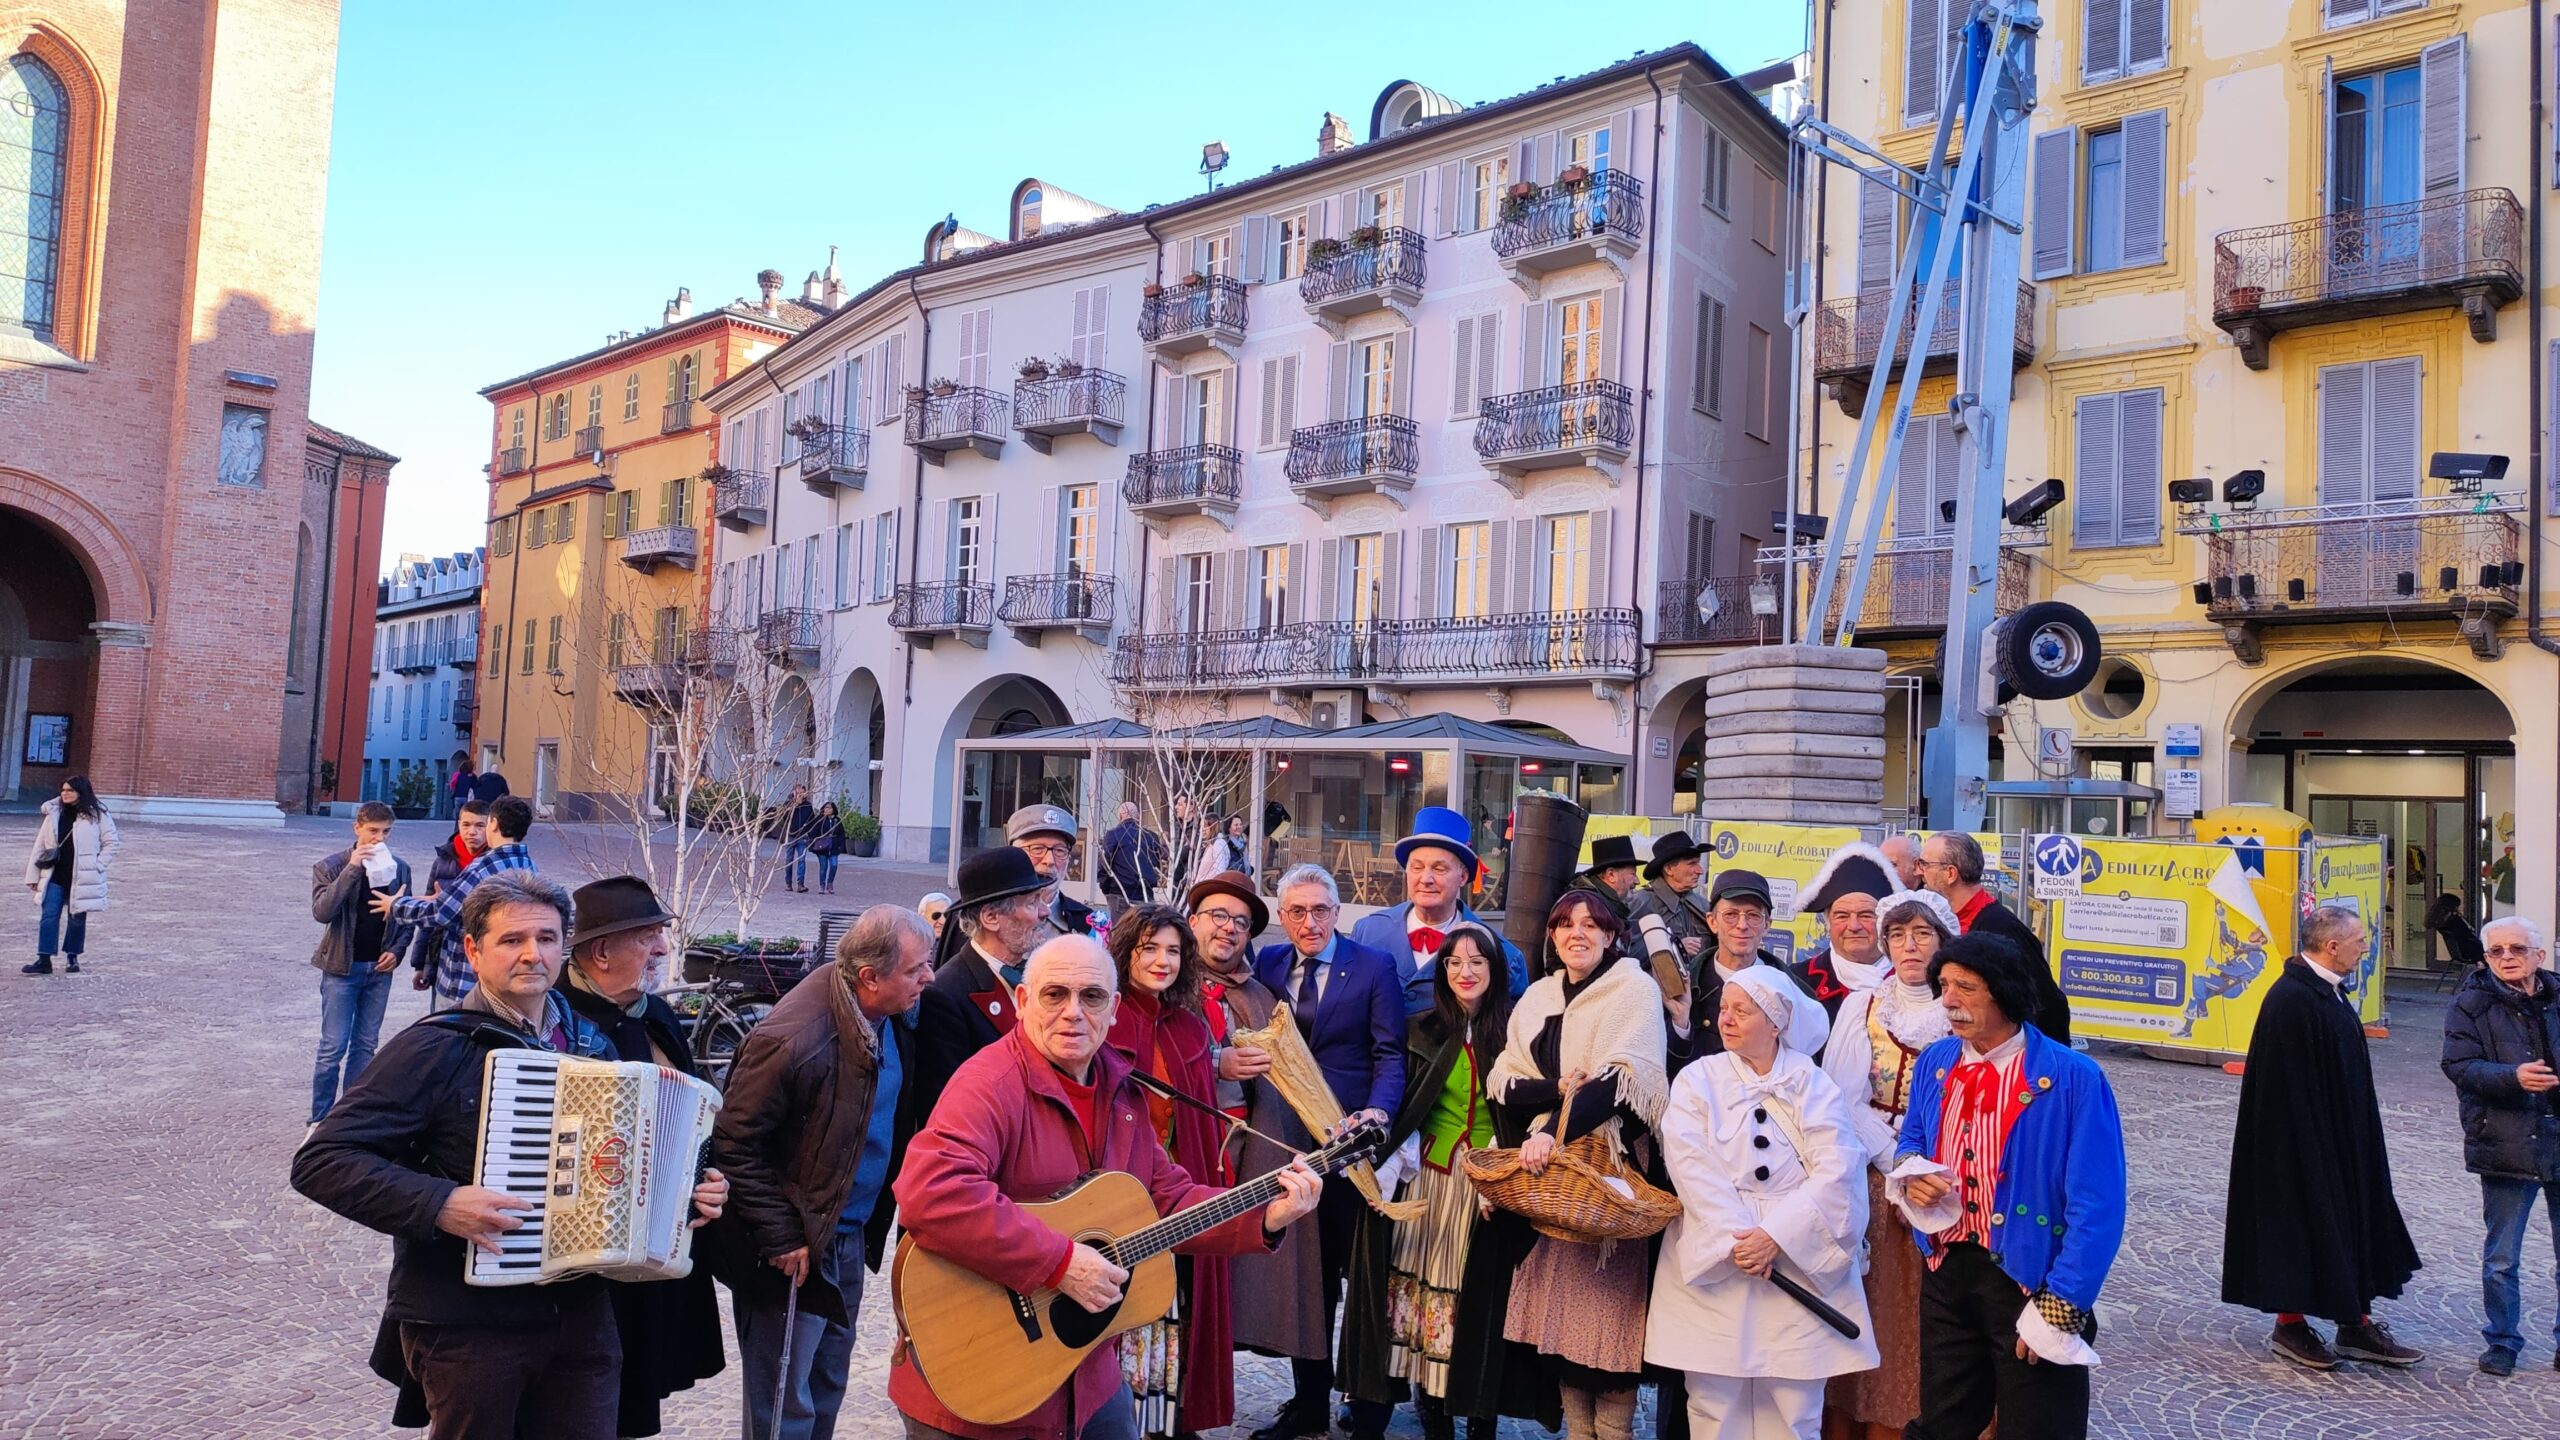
(1302, 1084)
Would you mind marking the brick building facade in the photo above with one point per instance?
(157, 295)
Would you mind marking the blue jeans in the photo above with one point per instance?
(2507, 1205)
(56, 935)
(821, 1352)
(350, 1024)
(795, 863)
(827, 869)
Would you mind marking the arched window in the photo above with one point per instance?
(35, 145)
(1030, 224)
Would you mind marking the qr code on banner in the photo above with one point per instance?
(2165, 988)
(2172, 936)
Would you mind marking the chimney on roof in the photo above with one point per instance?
(1334, 136)
(835, 291)
(769, 284)
(812, 292)
(679, 308)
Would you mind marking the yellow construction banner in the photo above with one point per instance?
(1786, 856)
(2163, 943)
(2349, 873)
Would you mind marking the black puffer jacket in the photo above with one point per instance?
(2489, 1031)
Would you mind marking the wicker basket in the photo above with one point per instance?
(1573, 1200)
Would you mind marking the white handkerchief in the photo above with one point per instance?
(1625, 1192)
(2051, 1344)
(380, 869)
(1406, 1161)
(1928, 1220)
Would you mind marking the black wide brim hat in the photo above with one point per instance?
(997, 874)
(613, 905)
(1678, 845)
(1610, 852)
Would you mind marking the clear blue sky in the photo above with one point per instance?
(509, 183)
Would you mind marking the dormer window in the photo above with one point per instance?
(1028, 218)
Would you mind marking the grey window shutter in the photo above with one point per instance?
(2094, 483)
(1083, 323)
(1876, 206)
(1420, 189)
(1160, 599)
(1252, 232)
(2343, 474)
(2146, 187)
(1524, 160)
(1429, 542)
(1488, 358)
(2138, 479)
(1288, 397)
(2396, 460)
(2101, 40)
(1293, 599)
(1446, 222)
(2055, 206)
(1267, 425)
(1053, 530)
(2146, 40)
(1232, 590)
(2444, 121)
(1346, 214)
(1528, 579)
(1549, 146)
(1533, 345)
(1911, 517)
(1598, 581)
(1322, 604)
(1462, 367)
(1391, 575)
(1400, 397)
(1710, 362)
(1337, 381)
(2346, 12)
(1946, 479)
(1497, 568)
(1922, 60)
(1170, 425)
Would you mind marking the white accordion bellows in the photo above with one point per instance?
(606, 1154)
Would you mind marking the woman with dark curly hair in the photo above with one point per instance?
(1180, 1369)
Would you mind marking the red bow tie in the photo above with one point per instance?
(1425, 939)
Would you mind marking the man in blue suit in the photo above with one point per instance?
(1439, 864)
(1348, 1002)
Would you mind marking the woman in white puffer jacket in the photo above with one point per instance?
(67, 871)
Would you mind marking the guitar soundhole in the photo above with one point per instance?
(1075, 1326)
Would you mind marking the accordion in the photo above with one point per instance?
(605, 1154)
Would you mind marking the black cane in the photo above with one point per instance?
(1847, 1327)
(791, 1323)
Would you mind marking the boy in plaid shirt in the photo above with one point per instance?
(510, 820)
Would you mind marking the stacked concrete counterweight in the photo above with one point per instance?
(1795, 733)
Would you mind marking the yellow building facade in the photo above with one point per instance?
(600, 548)
(2272, 246)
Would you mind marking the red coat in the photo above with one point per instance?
(1174, 1046)
(1003, 1134)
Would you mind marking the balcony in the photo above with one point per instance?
(739, 501)
(1088, 402)
(1848, 332)
(1371, 455)
(1164, 485)
(463, 653)
(589, 440)
(646, 550)
(1504, 650)
(1676, 620)
(466, 704)
(1185, 319)
(416, 659)
(511, 460)
(833, 458)
(675, 417)
(790, 636)
(1588, 424)
(1036, 604)
(927, 611)
(966, 418)
(2461, 252)
(675, 662)
(1598, 220)
(2444, 557)
(1906, 595)
(1382, 272)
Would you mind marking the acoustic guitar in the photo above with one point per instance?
(994, 1355)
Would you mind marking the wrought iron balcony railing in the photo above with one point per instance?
(966, 418)
(1906, 586)
(1360, 275)
(941, 606)
(673, 661)
(1478, 649)
(511, 460)
(1558, 424)
(788, 634)
(1341, 457)
(589, 439)
(1071, 600)
(661, 545)
(2464, 250)
(1192, 478)
(1088, 401)
(466, 703)
(675, 417)
(838, 456)
(2441, 555)
(1849, 331)
(740, 500)
(464, 652)
(1608, 208)
(1676, 619)
(1191, 317)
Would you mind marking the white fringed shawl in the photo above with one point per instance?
(1615, 1026)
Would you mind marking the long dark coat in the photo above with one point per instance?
(1488, 1375)
(670, 1328)
(2310, 1226)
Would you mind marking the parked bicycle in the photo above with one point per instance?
(726, 992)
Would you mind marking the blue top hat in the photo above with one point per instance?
(1440, 826)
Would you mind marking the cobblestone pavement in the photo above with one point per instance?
(163, 1280)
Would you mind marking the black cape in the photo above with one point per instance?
(2310, 1226)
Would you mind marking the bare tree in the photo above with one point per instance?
(1189, 774)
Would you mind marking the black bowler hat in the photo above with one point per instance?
(1609, 852)
(1678, 845)
(997, 874)
(613, 905)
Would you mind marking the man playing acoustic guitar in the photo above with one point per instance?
(1020, 1121)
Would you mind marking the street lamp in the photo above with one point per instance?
(1213, 158)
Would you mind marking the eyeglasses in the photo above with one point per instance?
(1046, 851)
(1298, 914)
(1094, 998)
(2510, 952)
(1231, 919)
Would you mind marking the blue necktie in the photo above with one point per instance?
(1307, 997)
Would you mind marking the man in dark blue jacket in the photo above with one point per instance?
(1348, 1003)
(396, 1155)
(2501, 1051)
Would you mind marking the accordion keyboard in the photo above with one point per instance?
(517, 1102)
